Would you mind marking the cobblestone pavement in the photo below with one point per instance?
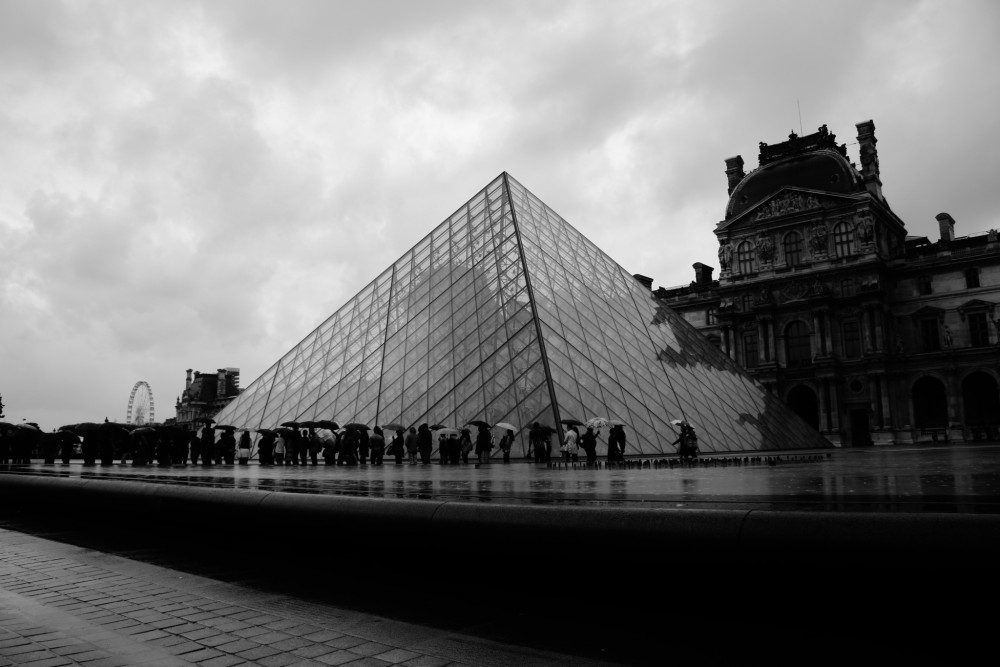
(65, 605)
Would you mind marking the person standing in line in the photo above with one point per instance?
(569, 448)
(397, 448)
(207, 446)
(364, 446)
(244, 448)
(443, 448)
(613, 445)
(412, 446)
(195, 448)
(227, 446)
(376, 444)
(315, 447)
(589, 443)
(279, 450)
(484, 444)
(466, 443)
(265, 449)
(425, 443)
(305, 446)
(506, 443)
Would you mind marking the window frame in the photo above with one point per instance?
(746, 258)
(791, 245)
(843, 240)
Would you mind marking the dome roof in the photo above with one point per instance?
(824, 169)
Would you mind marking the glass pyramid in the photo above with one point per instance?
(506, 313)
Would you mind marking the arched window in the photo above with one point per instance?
(798, 350)
(843, 240)
(745, 258)
(793, 249)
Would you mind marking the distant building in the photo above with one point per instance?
(205, 394)
(871, 335)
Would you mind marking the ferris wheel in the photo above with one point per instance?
(140, 404)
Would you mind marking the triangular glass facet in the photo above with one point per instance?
(506, 313)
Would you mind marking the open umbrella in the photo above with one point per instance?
(292, 424)
(358, 427)
(597, 422)
(82, 428)
(438, 427)
(224, 427)
(143, 430)
(448, 432)
(676, 422)
(572, 422)
(266, 431)
(400, 427)
(309, 424)
(616, 422)
(478, 423)
(506, 426)
(328, 423)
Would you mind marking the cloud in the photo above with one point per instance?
(200, 184)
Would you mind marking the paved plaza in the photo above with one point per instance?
(72, 594)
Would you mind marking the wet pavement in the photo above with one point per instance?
(941, 479)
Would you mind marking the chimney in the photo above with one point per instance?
(869, 157)
(702, 274)
(734, 171)
(187, 383)
(947, 226)
(646, 281)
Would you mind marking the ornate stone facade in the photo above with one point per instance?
(872, 336)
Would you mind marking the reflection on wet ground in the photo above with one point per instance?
(954, 479)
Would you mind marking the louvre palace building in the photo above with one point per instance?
(871, 335)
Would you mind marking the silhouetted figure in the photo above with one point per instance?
(397, 448)
(412, 445)
(195, 448)
(589, 444)
(377, 445)
(243, 451)
(465, 440)
(425, 443)
(506, 443)
(265, 449)
(484, 444)
(207, 446)
(279, 450)
(227, 446)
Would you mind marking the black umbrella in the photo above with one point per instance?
(225, 427)
(266, 431)
(143, 430)
(291, 424)
(435, 427)
(309, 424)
(328, 423)
(81, 429)
(479, 423)
(357, 426)
(572, 422)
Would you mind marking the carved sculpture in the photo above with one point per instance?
(817, 239)
(725, 255)
(765, 249)
(789, 203)
(864, 227)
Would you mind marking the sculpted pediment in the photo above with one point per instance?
(787, 201)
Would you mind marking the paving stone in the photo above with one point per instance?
(314, 650)
(369, 648)
(223, 661)
(396, 655)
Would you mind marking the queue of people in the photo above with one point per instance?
(349, 446)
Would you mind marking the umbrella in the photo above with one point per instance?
(448, 432)
(597, 422)
(142, 430)
(225, 427)
(505, 425)
(80, 429)
(357, 426)
(328, 423)
(616, 422)
(572, 422)
(400, 427)
(293, 424)
(676, 422)
(478, 423)
(308, 424)
(266, 431)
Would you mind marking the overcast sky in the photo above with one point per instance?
(200, 184)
